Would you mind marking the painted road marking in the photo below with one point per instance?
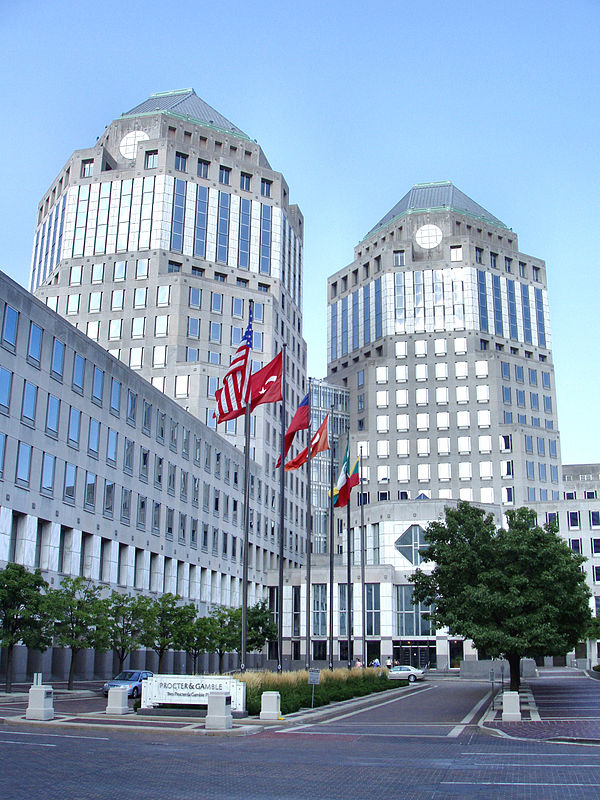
(458, 729)
(56, 735)
(26, 744)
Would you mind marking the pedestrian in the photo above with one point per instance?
(388, 663)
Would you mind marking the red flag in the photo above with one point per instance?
(299, 423)
(231, 398)
(318, 444)
(265, 385)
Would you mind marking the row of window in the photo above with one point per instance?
(203, 170)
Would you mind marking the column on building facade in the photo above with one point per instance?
(5, 528)
(26, 541)
(72, 558)
(113, 561)
(50, 547)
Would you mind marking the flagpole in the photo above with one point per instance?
(362, 564)
(349, 577)
(246, 538)
(281, 515)
(246, 545)
(331, 548)
(308, 531)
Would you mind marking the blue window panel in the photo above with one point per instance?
(508, 417)
(223, 227)
(552, 449)
(539, 315)
(344, 326)
(483, 307)
(334, 331)
(506, 395)
(512, 309)
(419, 300)
(200, 224)
(178, 216)
(378, 310)
(355, 340)
(265, 239)
(60, 228)
(526, 313)
(547, 404)
(505, 369)
(399, 304)
(367, 314)
(244, 243)
(498, 326)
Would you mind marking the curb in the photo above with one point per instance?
(191, 728)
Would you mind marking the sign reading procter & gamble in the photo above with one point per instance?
(191, 690)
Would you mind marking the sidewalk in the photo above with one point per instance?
(554, 707)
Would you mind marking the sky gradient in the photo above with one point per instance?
(353, 104)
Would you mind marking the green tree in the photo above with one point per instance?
(80, 618)
(125, 617)
(165, 625)
(516, 592)
(261, 627)
(225, 632)
(23, 612)
(197, 635)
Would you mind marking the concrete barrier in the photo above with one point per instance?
(511, 708)
(41, 703)
(117, 700)
(218, 717)
(270, 705)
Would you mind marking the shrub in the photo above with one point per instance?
(296, 693)
(596, 667)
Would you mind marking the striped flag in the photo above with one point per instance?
(347, 479)
(232, 397)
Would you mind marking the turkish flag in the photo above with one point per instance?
(299, 423)
(265, 385)
(318, 444)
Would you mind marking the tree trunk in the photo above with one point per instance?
(161, 656)
(72, 668)
(514, 661)
(121, 656)
(220, 662)
(9, 663)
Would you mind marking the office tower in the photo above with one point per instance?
(154, 241)
(440, 330)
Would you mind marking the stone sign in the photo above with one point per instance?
(191, 690)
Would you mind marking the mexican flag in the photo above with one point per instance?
(347, 479)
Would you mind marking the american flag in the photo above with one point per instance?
(231, 398)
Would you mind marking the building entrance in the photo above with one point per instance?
(418, 653)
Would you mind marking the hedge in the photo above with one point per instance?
(296, 693)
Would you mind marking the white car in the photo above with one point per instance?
(406, 673)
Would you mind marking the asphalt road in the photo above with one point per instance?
(423, 744)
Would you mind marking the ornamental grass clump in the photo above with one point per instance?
(296, 693)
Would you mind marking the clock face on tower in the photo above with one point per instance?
(129, 143)
(428, 236)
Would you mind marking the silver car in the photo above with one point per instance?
(130, 678)
(406, 673)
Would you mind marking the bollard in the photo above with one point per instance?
(511, 709)
(270, 706)
(218, 717)
(117, 701)
(41, 703)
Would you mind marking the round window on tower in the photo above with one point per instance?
(129, 143)
(428, 236)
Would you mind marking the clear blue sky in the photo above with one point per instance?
(354, 103)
